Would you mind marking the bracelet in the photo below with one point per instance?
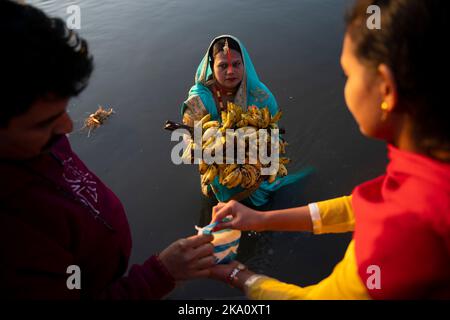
(233, 275)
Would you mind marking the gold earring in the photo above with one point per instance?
(386, 110)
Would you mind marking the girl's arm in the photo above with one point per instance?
(343, 283)
(331, 216)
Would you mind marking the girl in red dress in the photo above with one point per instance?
(401, 220)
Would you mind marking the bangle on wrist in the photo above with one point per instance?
(233, 274)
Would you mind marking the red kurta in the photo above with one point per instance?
(403, 227)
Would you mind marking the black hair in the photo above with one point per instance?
(411, 43)
(39, 56)
(218, 47)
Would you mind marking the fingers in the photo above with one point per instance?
(196, 241)
(224, 225)
(225, 210)
(216, 209)
(205, 262)
(203, 251)
(201, 274)
(203, 267)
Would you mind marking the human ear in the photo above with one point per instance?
(387, 86)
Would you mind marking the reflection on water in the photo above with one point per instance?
(146, 53)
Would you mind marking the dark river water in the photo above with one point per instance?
(146, 53)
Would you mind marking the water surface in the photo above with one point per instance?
(146, 53)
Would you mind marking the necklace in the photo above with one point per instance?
(219, 93)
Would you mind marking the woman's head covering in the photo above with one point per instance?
(251, 90)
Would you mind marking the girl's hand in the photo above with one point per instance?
(223, 272)
(244, 218)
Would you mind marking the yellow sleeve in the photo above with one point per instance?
(343, 283)
(333, 216)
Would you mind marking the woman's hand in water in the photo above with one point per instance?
(243, 218)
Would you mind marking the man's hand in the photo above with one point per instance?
(189, 258)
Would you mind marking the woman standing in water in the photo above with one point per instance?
(226, 74)
(401, 220)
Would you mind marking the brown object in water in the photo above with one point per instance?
(97, 119)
